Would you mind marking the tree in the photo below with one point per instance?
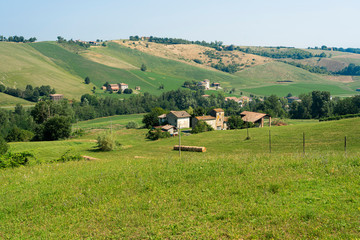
(55, 128)
(2, 88)
(201, 127)
(320, 104)
(87, 80)
(3, 146)
(156, 134)
(151, 119)
(235, 122)
(143, 67)
(128, 91)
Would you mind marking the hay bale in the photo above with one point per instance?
(190, 148)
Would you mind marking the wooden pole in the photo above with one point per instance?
(304, 143)
(345, 145)
(179, 133)
(270, 141)
(247, 130)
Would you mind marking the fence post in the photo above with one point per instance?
(179, 133)
(270, 141)
(304, 143)
(345, 146)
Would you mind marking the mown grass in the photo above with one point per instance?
(20, 65)
(235, 190)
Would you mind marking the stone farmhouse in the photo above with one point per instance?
(168, 128)
(117, 87)
(56, 97)
(178, 119)
(216, 119)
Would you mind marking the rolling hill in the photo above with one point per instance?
(63, 68)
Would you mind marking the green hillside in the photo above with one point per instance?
(7, 101)
(20, 65)
(236, 190)
(49, 63)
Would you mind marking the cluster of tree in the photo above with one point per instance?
(340, 49)
(62, 40)
(17, 39)
(278, 54)
(230, 68)
(216, 44)
(30, 93)
(351, 70)
(313, 69)
(193, 85)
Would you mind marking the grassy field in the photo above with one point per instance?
(10, 101)
(236, 190)
(20, 65)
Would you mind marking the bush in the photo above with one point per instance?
(156, 134)
(105, 143)
(132, 124)
(3, 146)
(128, 91)
(235, 122)
(143, 67)
(202, 127)
(14, 159)
(66, 157)
(19, 135)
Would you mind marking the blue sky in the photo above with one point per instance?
(257, 23)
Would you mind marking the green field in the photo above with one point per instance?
(10, 101)
(20, 65)
(236, 190)
(118, 121)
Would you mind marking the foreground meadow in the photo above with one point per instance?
(144, 190)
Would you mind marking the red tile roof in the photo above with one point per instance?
(205, 118)
(180, 114)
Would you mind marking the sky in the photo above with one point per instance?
(300, 23)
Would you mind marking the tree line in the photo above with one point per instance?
(16, 39)
(32, 94)
(50, 120)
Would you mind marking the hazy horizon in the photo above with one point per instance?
(257, 23)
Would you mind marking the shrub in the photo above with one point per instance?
(202, 127)
(128, 91)
(19, 135)
(105, 143)
(78, 132)
(3, 146)
(155, 134)
(14, 159)
(132, 124)
(66, 157)
(235, 122)
(143, 67)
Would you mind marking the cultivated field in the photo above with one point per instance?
(236, 190)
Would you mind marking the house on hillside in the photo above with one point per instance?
(123, 86)
(245, 99)
(103, 87)
(168, 128)
(113, 87)
(205, 84)
(179, 119)
(255, 117)
(293, 99)
(137, 88)
(232, 98)
(216, 85)
(56, 97)
(216, 119)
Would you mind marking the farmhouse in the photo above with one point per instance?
(113, 87)
(293, 99)
(56, 97)
(123, 86)
(217, 85)
(179, 119)
(245, 99)
(216, 119)
(205, 84)
(162, 119)
(233, 98)
(103, 88)
(255, 117)
(137, 88)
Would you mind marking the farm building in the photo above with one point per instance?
(123, 86)
(216, 119)
(137, 88)
(245, 99)
(205, 84)
(103, 88)
(113, 87)
(293, 99)
(168, 128)
(205, 96)
(255, 117)
(179, 119)
(233, 98)
(56, 97)
(162, 119)
(216, 85)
